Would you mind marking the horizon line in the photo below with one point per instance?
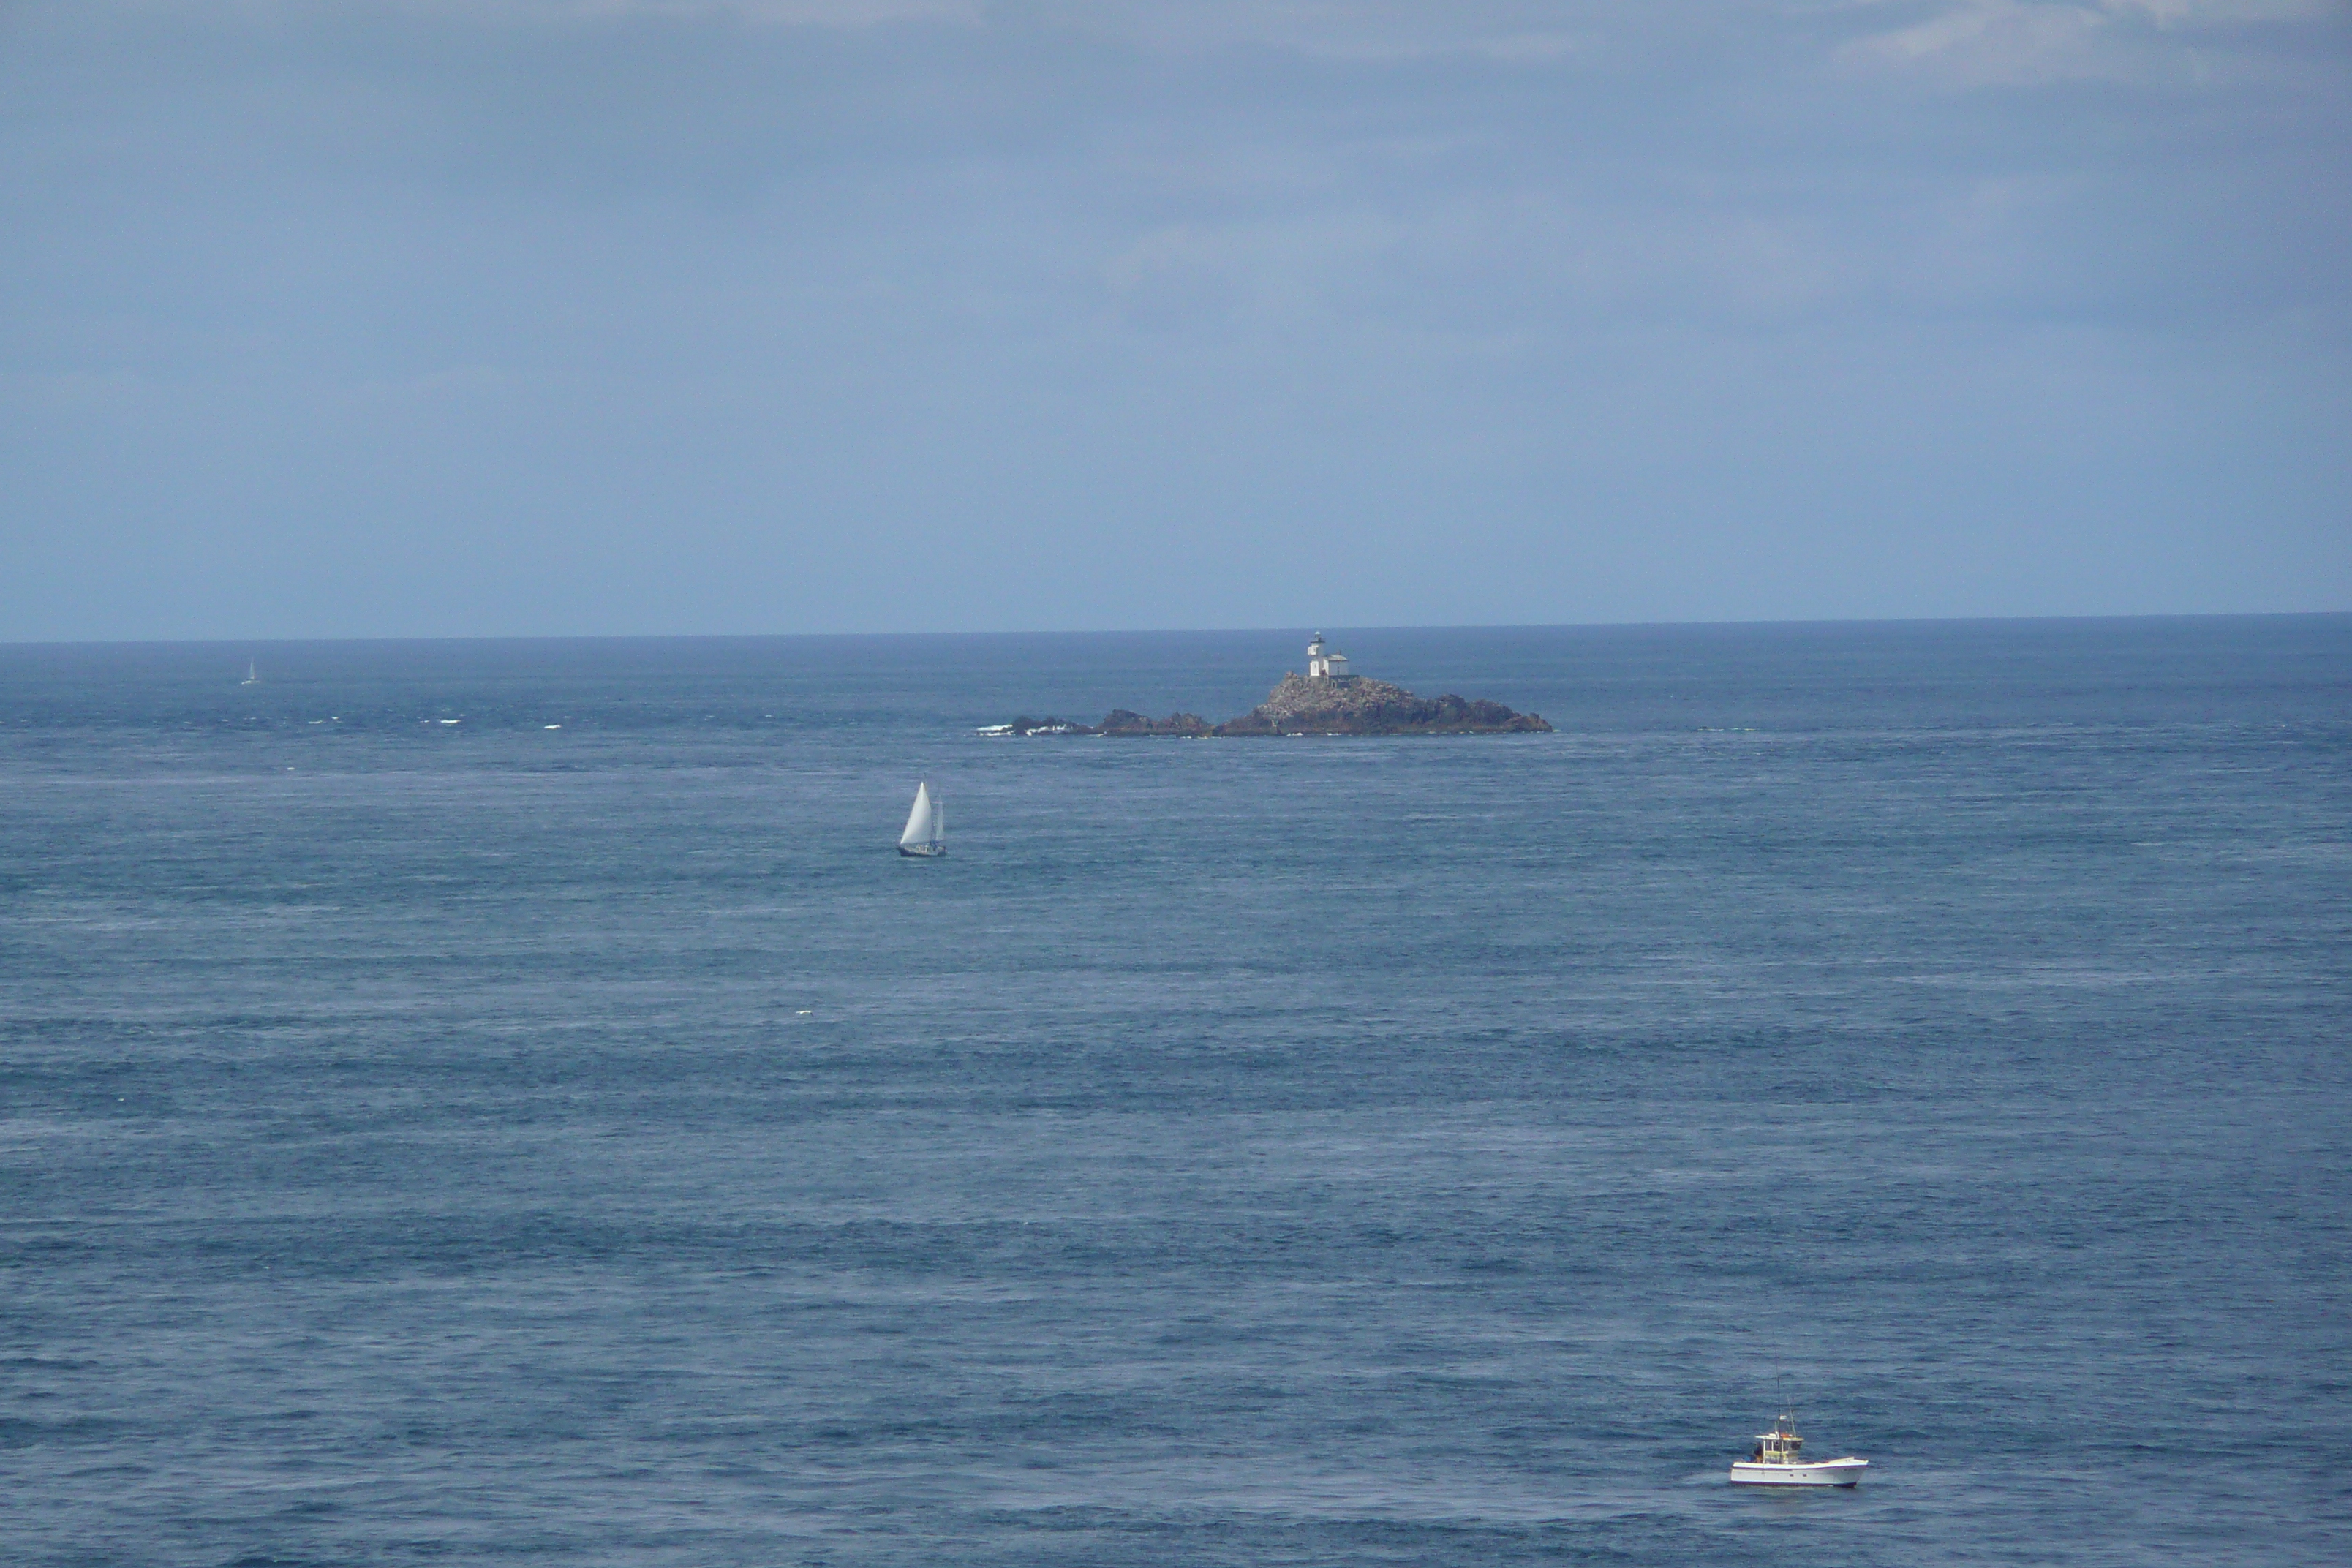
(1759, 621)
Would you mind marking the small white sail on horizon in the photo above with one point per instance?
(252, 674)
(927, 825)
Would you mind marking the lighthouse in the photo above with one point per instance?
(1323, 666)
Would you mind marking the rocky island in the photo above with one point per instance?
(1326, 700)
(1357, 705)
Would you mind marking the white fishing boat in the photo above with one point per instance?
(1778, 1461)
(927, 825)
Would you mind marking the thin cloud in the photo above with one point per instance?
(2020, 43)
(842, 15)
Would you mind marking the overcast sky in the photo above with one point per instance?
(487, 317)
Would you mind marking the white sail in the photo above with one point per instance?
(918, 821)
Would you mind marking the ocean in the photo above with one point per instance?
(508, 1102)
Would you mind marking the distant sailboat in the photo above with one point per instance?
(927, 825)
(252, 675)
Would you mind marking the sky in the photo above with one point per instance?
(427, 318)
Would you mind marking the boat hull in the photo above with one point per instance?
(1825, 1473)
(922, 851)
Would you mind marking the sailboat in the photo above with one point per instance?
(252, 675)
(927, 825)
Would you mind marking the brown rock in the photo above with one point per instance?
(1120, 721)
(1357, 705)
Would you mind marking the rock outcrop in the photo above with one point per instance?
(1357, 705)
(1119, 722)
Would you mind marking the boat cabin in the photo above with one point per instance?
(1779, 1446)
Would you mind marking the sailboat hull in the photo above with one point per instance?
(922, 851)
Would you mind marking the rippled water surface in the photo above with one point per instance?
(570, 1134)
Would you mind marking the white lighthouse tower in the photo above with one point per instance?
(1322, 666)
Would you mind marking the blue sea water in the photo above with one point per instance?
(485, 1141)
